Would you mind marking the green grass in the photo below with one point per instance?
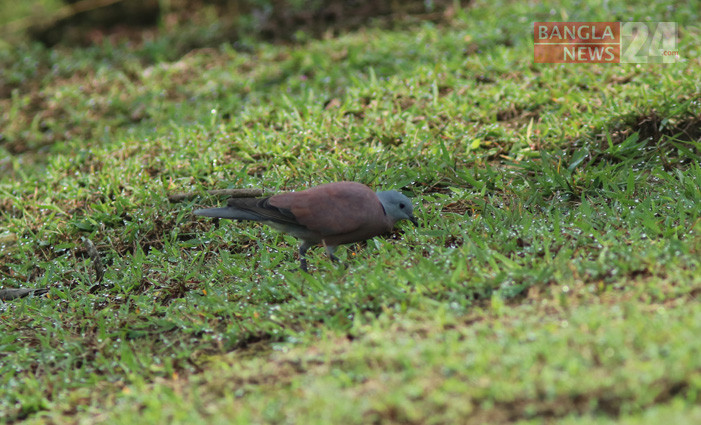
(555, 277)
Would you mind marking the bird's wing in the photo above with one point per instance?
(333, 209)
(260, 209)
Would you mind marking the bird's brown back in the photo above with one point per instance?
(341, 212)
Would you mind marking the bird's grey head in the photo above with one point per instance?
(397, 206)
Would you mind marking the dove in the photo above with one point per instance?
(330, 214)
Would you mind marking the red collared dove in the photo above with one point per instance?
(330, 214)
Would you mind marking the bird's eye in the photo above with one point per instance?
(401, 206)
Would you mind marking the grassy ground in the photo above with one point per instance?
(555, 277)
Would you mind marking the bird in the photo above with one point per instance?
(330, 214)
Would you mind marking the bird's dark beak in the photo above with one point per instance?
(414, 220)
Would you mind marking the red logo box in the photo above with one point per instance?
(577, 42)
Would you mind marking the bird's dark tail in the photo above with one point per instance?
(227, 212)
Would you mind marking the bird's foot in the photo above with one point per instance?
(303, 265)
(336, 260)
